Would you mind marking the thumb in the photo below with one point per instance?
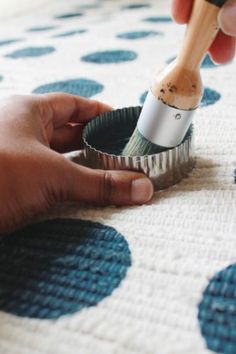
(227, 18)
(106, 187)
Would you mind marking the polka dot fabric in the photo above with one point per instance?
(162, 279)
(62, 267)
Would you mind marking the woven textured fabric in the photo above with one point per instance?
(217, 312)
(182, 238)
(59, 267)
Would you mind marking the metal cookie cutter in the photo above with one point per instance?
(105, 137)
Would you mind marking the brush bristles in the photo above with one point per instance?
(140, 146)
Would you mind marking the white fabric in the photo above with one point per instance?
(181, 238)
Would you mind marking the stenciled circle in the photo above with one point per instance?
(70, 33)
(69, 15)
(59, 267)
(135, 6)
(31, 52)
(217, 312)
(81, 87)
(40, 28)
(138, 34)
(110, 56)
(158, 19)
(9, 41)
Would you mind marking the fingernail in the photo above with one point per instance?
(141, 191)
(227, 17)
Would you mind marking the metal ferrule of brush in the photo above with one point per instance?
(162, 124)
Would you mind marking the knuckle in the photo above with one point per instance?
(106, 188)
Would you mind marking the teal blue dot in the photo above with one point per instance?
(31, 52)
(110, 56)
(208, 63)
(41, 29)
(69, 15)
(158, 19)
(235, 175)
(9, 41)
(82, 87)
(139, 34)
(209, 97)
(217, 312)
(70, 33)
(59, 267)
(135, 6)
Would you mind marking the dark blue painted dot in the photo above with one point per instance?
(207, 62)
(158, 19)
(41, 28)
(30, 52)
(60, 267)
(110, 56)
(235, 175)
(217, 312)
(81, 87)
(70, 33)
(69, 15)
(135, 6)
(210, 97)
(9, 41)
(139, 34)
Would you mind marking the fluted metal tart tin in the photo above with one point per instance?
(106, 135)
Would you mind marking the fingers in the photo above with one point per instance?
(64, 108)
(67, 138)
(222, 49)
(106, 187)
(227, 18)
(181, 10)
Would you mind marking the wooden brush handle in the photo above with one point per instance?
(200, 33)
(180, 84)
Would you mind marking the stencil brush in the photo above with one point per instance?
(177, 91)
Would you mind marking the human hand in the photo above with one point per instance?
(34, 176)
(222, 49)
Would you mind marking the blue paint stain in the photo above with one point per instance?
(135, 6)
(31, 52)
(158, 19)
(139, 34)
(81, 87)
(59, 267)
(41, 28)
(69, 33)
(110, 56)
(9, 41)
(69, 15)
(217, 312)
(207, 62)
(210, 97)
(143, 97)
